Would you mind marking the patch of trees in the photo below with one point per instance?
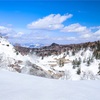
(76, 63)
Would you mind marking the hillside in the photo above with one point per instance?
(13, 60)
(14, 86)
(70, 62)
(73, 62)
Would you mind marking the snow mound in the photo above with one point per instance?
(15, 86)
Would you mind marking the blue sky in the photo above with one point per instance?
(48, 21)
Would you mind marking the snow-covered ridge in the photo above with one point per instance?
(35, 45)
(13, 60)
(7, 49)
(73, 67)
(58, 62)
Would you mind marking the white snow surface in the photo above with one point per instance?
(8, 56)
(15, 86)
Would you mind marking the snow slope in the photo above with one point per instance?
(9, 51)
(13, 60)
(9, 56)
(87, 72)
(15, 86)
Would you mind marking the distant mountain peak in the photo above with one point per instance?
(54, 44)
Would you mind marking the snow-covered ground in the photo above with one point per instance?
(90, 72)
(49, 66)
(15, 86)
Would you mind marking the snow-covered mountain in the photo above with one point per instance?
(13, 60)
(15, 86)
(10, 59)
(70, 62)
(36, 45)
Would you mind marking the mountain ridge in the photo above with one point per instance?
(70, 62)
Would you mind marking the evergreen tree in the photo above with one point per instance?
(73, 63)
(73, 52)
(79, 71)
(88, 62)
(98, 45)
(99, 69)
(76, 63)
(67, 52)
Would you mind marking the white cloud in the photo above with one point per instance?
(97, 32)
(64, 38)
(19, 34)
(76, 28)
(10, 32)
(95, 27)
(51, 22)
(5, 30)
(92, 36)
(86, 36)
(71, 38)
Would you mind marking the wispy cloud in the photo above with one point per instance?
(50, 22)
(19, 34)
(95, 27)
(52, 29)
(65, 38)
(10, 32)
(76, 28)
(5, 30)
(86, 36)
